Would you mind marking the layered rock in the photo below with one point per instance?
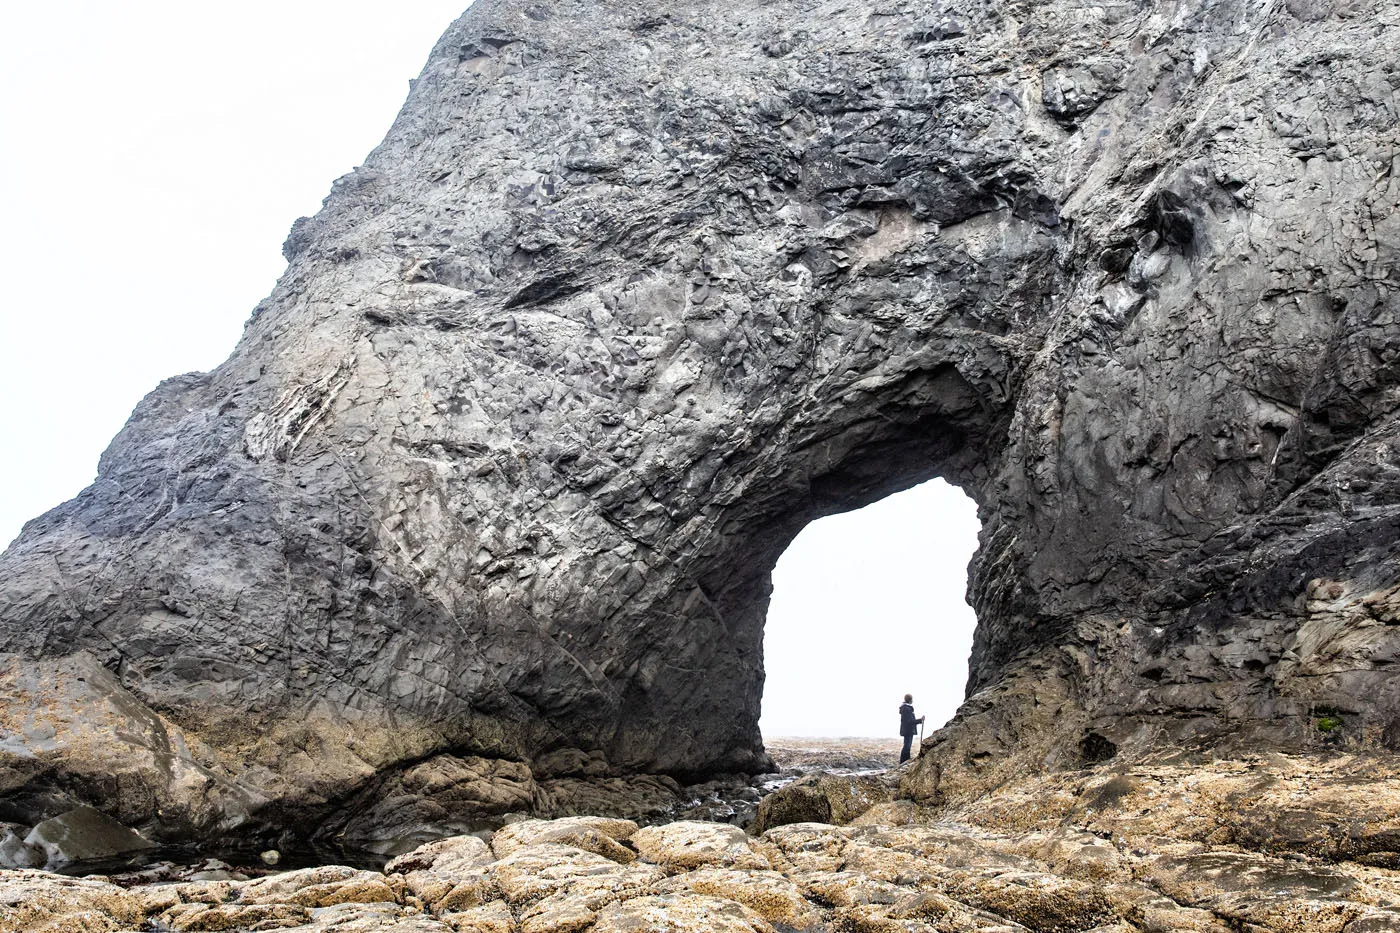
(1159, 848)
(629, 295)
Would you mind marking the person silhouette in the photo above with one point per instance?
(907, 725)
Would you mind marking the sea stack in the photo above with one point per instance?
(482, 509)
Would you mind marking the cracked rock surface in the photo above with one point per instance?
(489, 493)
(1155, 848)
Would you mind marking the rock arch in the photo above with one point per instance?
(625, 298)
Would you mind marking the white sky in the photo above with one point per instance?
(868, 606)
(153, 156)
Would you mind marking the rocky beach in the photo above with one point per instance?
(84, 840)
(1292, 844)
(457, 569)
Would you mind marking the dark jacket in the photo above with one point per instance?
(908, 725)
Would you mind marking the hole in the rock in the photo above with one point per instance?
(868, 606)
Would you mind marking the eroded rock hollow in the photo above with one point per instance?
(489, 493)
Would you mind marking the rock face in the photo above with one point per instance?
(631, 293)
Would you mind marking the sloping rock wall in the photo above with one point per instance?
(630, 293)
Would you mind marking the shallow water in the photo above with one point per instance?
(177, 861)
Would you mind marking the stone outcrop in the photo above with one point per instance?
(630, 293)
(822, 798)
(1155, 848)
(79, 835)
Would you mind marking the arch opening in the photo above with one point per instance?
(869, 605)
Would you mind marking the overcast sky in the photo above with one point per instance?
(868, 606)
(153, 156)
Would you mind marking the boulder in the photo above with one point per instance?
(205, 918)
(1374, 921)
(553, 916)
(83, 834)
(769, 894)
(370, 918)
(821, 798)
(891, 813)
(1075, 855)
(809, 846)
(970, 868)
(324, 886)
(599, 835)
(1039, 901)
(575, 905)
(949, 844)
(536, 871)
(460, 890)
(922, 912)
(495, 917)
(38, 902)
(847, 888)
(445, 856)
(678, 913)
(688, 844)
(15, 852)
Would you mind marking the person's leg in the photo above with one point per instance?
(904, 755)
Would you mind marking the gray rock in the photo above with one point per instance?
(821, 798)
(83, 834)
(444, 795)
(14, 851)
(624, 300)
